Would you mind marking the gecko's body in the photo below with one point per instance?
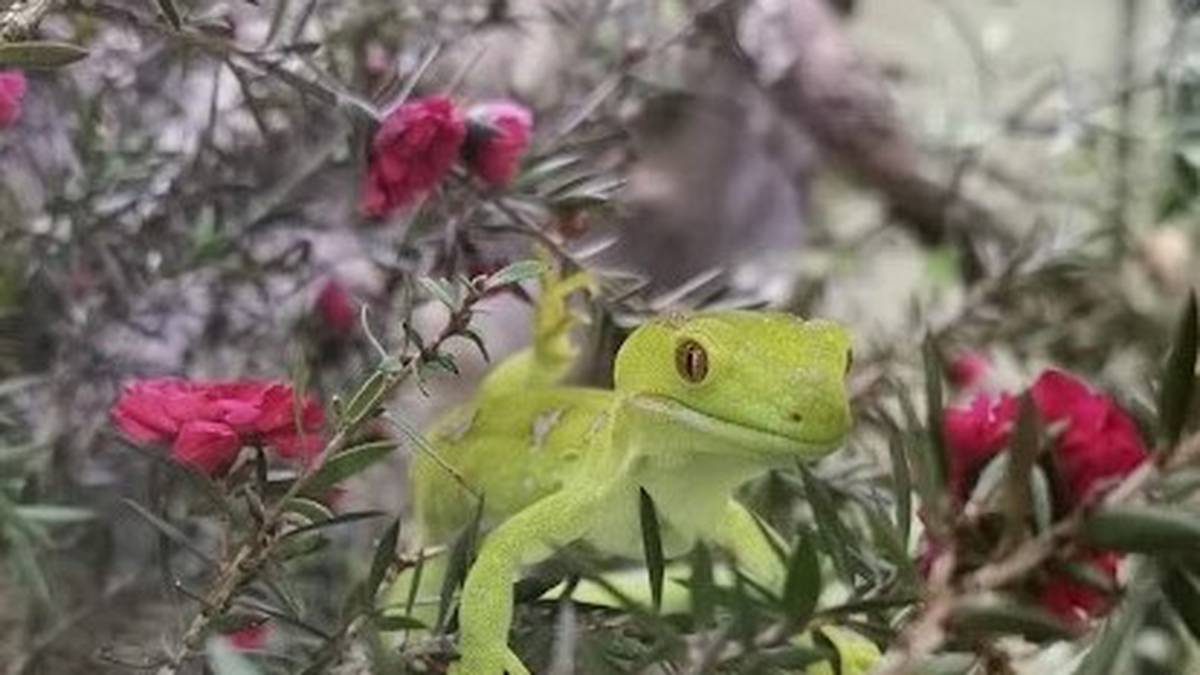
(701, 404)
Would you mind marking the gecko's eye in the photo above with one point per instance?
(691, 361)
(849, 360)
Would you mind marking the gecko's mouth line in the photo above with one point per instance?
(740, 433)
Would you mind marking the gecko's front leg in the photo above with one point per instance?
(739, 533)
(486, 610)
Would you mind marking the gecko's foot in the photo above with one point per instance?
(553, 319)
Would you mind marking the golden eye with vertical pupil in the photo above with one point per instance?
(691, 361)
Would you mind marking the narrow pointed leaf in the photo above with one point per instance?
(443, 291)
(48, 514)
(1179, 376)
(700, 586)
(39, 54)
(389, 623)
(933, 398)
(1023, 453)
(994, 617)
(651, 546)
(902, 487)
(802, 585)
(348, 463)
(340, 519)
(1144, 529)
(462, 553)
(168, 530)
(385, 553)
(514, 273)
(1183, 592)
(170, 13)
(311, 509)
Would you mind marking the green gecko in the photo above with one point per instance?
(702, 403)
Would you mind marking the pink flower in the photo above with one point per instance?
(411, 153)
(208, 447)
(1097, 444)
(974, 435)
(151, 411)
(968, 370)
(12, 91)
(1074, 601)
(498, 135)
(207, 423)
(249, 637)
(1100, 442)
(336, 309)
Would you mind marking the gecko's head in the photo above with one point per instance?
(772, 383)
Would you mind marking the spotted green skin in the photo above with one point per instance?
(559, 464)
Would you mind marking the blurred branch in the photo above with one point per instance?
(809, 69)
(1127, 40)
(21, 18)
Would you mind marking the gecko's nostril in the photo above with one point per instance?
(796, 417)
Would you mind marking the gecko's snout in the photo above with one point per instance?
(818, 413)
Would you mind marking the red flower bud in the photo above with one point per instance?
(498, 135)
(968, 370)
(336, 310)
(412, 152)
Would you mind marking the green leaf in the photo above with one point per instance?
(462, 553)
(48, 514)
(477, 339)
(168, 530)
(365, 402)
(388, 623)
(1179, 376)
(347, 463)
(340, 519)
(385, 553)
(513, 273)
(443, 291)
(802, 585)
(991, 616)
(651, 546)
(313, 510)
(1182, 591)
(700, 585)
(933, 398)
(1023, 452)
(902, 486)
(835, 538)
(1143, 529)
(225, 660)
(170, 13)
(794, 659)
(39, 54)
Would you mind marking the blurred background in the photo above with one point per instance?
(1014, 177)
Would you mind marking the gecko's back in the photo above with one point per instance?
(511, 449)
